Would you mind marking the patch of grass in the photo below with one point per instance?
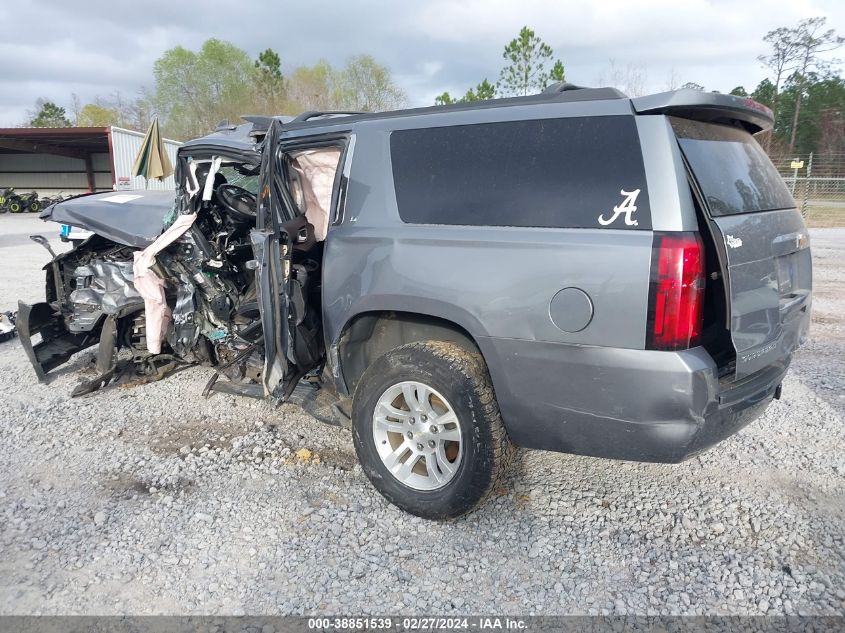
(825, 217)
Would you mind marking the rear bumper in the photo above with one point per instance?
(637, 405)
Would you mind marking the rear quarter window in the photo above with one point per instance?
(731, 168)
(565, 173)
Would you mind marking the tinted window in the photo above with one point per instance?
(733, 171)
(547, 173)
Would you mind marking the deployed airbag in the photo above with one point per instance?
(131, 218)
(151, 287)
(317, 168)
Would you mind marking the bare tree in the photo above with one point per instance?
(780, 61)
(672, 79)
(783, 56)
(75, 107)
(810, 40)
(631, 80)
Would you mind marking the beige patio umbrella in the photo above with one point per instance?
(152, 160)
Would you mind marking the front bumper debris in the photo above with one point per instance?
(57, 345)
(7, 326)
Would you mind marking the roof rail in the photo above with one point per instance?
(317, 114)
(561, 86)
(558, 93)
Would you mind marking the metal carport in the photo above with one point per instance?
(73, 160)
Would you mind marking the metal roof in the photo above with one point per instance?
(239, 137)
(231, 137)
(74, 142)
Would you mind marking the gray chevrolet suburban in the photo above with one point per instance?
(575, 271)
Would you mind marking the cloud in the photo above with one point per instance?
(102, 46)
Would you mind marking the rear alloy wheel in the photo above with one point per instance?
(417, 435)
(427, 429)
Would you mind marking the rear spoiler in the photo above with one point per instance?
(707, 106)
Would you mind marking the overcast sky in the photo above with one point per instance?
(52, 48)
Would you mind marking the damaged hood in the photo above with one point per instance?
(131, 218)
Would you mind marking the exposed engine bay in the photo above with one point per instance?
(207, 273)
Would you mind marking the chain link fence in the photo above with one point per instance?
(817, 183)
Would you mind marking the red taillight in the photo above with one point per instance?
(676, 296)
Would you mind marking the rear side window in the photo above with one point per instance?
(583, 172)
(733, 171)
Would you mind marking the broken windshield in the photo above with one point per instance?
(234, 176)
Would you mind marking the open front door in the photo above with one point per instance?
(271, 248)
(299, 194)
(271, 277)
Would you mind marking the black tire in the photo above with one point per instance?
(15, 207)
(34, 207)
(462, 378)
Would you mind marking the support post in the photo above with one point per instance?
(89, 171)
(805, 202)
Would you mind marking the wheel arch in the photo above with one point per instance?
(368, 335)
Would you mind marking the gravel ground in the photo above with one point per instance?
(155, 500)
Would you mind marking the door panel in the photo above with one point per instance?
(277, 274)
(763, 245)
(770, 280)
(273, 308)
